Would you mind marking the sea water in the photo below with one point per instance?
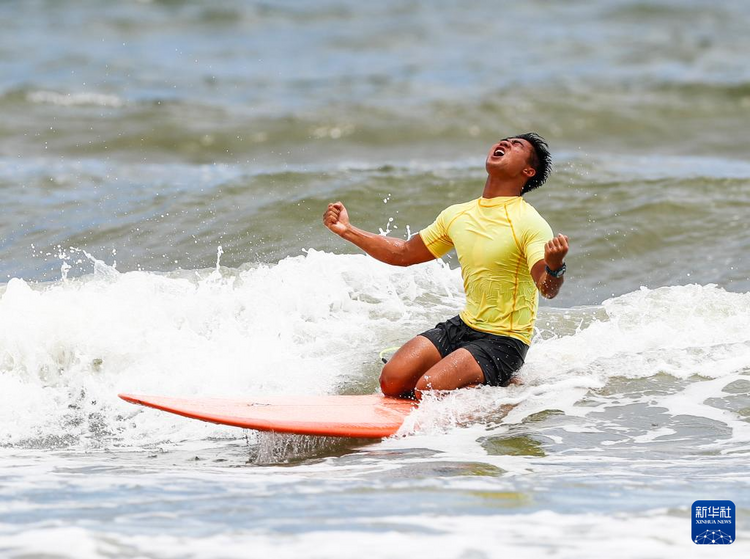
(164, 169)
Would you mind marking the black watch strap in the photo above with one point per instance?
(556, 273)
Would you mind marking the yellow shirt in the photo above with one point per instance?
(498, 241)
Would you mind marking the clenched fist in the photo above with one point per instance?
(336, 218)
(555, 251)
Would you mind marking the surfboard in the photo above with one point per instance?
(373, 416)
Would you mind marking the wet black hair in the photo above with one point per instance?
(541, 161)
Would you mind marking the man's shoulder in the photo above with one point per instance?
(531, 221)
(528, 212)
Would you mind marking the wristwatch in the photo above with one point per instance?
(556, 273)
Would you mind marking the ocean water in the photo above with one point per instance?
(164, 169)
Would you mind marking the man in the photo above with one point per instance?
(506, 251)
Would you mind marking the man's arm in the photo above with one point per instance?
(386, 249)
(554, 256)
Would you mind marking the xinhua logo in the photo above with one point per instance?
(713, 522)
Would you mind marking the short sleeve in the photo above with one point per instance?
(435, 237)
(536, 235)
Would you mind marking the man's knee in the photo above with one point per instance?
(391, 380)
(404, 369)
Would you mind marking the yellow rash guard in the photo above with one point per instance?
(498, 241)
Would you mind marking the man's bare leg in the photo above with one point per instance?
(408, 365)
(457, 370)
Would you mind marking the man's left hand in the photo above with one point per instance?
(555, 251)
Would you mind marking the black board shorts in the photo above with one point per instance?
(498, 356)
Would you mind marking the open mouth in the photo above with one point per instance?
(499, 152)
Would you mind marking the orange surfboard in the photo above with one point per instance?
(372, 416)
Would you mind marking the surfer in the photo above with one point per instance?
(507, 254)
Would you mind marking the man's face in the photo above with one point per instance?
(510, 157)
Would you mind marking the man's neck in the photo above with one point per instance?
(496, 186)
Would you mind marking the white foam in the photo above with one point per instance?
(313, 324)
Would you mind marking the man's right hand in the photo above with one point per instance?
(390, 250)
(336, 218)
